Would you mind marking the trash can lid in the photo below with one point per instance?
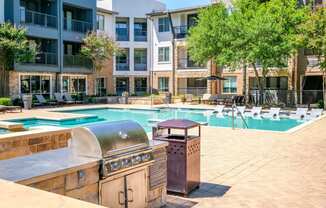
(178, 124)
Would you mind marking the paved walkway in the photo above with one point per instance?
(255, 169)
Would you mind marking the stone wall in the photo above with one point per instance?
(25, 144)
(79, 184)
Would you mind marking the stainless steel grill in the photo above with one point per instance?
(119, 145)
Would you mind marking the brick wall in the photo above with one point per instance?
(29, 144)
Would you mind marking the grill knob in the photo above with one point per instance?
(114, 166)
(146, 157)
(136, 160)
(125, 163)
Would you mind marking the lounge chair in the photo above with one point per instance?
(238, 111)
(273, 113)
(300, 114)
(4, 108)
(59, 99)
(206, 98)
(208, 113)
(219, 110)
(314, 113)
(254, 113)
(42, 101)
(68, 98)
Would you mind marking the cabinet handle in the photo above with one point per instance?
(121, 193)
(132, 195)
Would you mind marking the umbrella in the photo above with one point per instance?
(212, 78)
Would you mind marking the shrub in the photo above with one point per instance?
(5, 101)
(321, 104)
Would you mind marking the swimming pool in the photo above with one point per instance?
(4, 131)
(143, 116)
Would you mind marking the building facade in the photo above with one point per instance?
(58, 28)
(131, 29)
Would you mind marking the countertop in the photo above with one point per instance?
(43, 164)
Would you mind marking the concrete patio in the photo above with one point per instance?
(254, 169)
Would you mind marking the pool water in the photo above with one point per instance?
(3, 131)
(142, 117)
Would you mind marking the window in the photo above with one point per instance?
(100, 22)
(230, 85)
(163, 24)
(163, 54)
(271, 83)
(35, 84)
(74, 84)
(140, 30)
(163, 84)
(140, 85)
(122, 29)
(140, 59)
(101, 86)
(122, 60)
(122, 85)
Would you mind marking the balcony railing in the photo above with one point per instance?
(45, 58)
(76, 60)
(38, 18)
(313, 61)
(77, 26)
(140, 67)
(185, 63)
(122, 67)
(140, 35)
(122, 34)
(180, 31)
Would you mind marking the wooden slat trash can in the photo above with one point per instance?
(183, 153)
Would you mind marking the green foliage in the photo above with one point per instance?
(14, 46)
(320, 103)
(313, 34)
(5, 101)
(99, 48)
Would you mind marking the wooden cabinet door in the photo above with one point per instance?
(137, 189)
(113, 193)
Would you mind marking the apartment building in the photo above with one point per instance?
(173, 70)
(131, 29)
(58, 27)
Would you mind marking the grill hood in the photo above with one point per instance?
(108, 139)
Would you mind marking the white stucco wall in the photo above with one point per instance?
(2, 12)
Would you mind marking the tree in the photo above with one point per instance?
(14, 47)
(313, 36)
(100, 48)
(254, 32)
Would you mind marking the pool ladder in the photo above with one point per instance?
(234, 107)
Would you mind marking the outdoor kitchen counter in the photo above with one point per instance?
(46, 165)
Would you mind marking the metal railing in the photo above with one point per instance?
(122, 67)
(38, 18)
(180, 31)
(288, 98)
(77, 26)
(186, 63)
(76, 60)
(196, 91)
(140, 67)
(45, 58)
(140, 35)
(234, 117)
(313, 61)
(122, 34)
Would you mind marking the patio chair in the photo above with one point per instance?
(238, 111)
(314, 113)
(206, 98)
(42, 101)
(60, 100)
(299, 114)
(68, 98)
(273, 113)
(255, 112)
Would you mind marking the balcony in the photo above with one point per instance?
(122, 67)
(45, 58)
(180, 31)
(77, 26)
(38, 18)
(140, 67)
(186, 63)
(76, 61)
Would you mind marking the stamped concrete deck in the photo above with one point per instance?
(255, 169)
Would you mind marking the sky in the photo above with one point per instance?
(174, 4)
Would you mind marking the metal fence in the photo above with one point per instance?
(286, 97)
(38, 18)
(196, 91)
